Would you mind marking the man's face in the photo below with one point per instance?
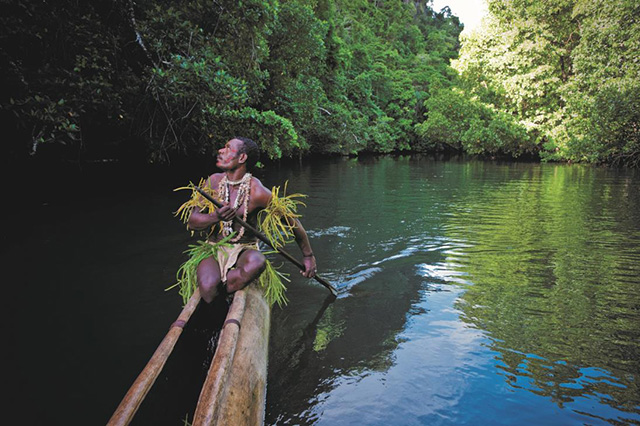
(230, 156)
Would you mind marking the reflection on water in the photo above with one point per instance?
(477, 293)
(555, 278)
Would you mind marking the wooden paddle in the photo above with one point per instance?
(265, 240)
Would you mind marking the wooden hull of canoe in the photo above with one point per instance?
(234, 392)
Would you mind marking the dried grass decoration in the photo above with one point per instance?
(277, 222)
(187, 278)
(271, 283)
(197, 200)
(278, 219)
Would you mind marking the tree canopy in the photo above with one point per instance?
(160, 78)
(555, 80)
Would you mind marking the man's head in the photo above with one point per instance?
(250, 148)
(238, 152)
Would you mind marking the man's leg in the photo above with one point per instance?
(208, 279)
(250, 265)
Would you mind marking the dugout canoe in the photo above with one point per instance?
(234, 391)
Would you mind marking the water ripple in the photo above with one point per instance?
(338, 231)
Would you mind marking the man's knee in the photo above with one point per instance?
(251, 265)
(208, 279)
(208, 285)
(256, 261)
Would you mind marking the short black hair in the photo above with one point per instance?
(250, 148)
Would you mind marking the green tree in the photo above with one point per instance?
(208, 78)
(162, 78)
(66, 73)
(456, 122)
(605, 93)
(564, 70)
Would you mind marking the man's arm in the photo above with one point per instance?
(263, 197)
(309, 260)
(199, 221)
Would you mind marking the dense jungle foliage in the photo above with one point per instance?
(161, 78)
(156, 80)
(566, 73)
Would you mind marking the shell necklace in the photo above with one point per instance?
(241, 199)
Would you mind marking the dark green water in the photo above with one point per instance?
(480, 293)
(475, 293)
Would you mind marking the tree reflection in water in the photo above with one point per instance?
(554, 286)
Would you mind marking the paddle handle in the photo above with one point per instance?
(265, 240)
(142, 385)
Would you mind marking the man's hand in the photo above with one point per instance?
(309, 266)
(226, 213)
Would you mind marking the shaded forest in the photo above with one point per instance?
(152, 81)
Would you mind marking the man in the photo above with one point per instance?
(241, 194)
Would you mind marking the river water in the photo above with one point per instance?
(472, 293)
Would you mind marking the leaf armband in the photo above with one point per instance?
(278, 219)
(196, 201)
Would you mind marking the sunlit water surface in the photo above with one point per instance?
(473, 293)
